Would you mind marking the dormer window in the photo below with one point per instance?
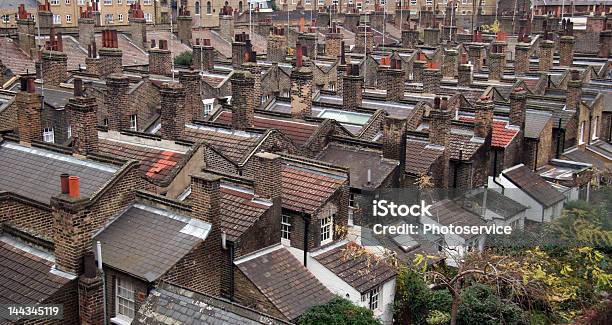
(326, 229)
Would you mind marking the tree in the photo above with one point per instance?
(479, 305)
(338, 311)
(184, 58)
(412, 297)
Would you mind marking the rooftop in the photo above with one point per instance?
(534, 185)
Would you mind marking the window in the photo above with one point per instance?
(67, 2)
(352, 203)
(383, 2)
(581, 138)
(6, 18)
(321, 2)
(413, 2)
(208, 8)
(148, 16)
(105, 122)
(326, 229)
(119, 2)
(69, 19)
(147, 2)
(240, 6)
(109, 18)
(308, 2)
(124, 294)
(285, 228)
(81, 2)
(120, 18)
(464, 2)
(594, 128)
(48, 135)
(429, 2)
(69, 131)
(359, 6)
(134, 122)
(335, 2)
(55, 2)
(57, 19)
(108, 2)
(371, 298)
(197, 8)
(208, 106)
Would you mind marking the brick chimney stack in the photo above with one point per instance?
(138, 26)
(364, 40)
(439, 134)
(394, 140)
(352, 88)
(277, 45)
(464, 72)
(521, 58)
(475, 52)
(29, 111)
(391, 79)
(45, 17)
(173, 113)
(547, 47)
(160, 59)
(54, 62)
(184, 22)
(418, 66)
(497, 62)
(432, 78)
(110, 54)
(333, 40)
(193, 98)
(301, 88)
(269, 167)
(518, 102)
(449, 67)
(86, 25)
(410, 38)
(431, 36)
(574, 91)
(566, 44)
(226, 23)
(483, 122)
(340, 70)
(83, 121)
(250, 65)
(203, 55)
(116, 102)
(243, 108)
(605, 42)
(26, 31)
(91, 293)
(241, 49)
(205, 206)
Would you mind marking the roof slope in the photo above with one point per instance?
(170, 304)
(307, 189)
(235, 145)
(420, 155)
(14, 58)
(34, 173)
(239, 211)
(157, 240)
(361, 270)
(284, 281)
(534, 185)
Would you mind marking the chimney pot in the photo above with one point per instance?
(74, 190)
(65, 187)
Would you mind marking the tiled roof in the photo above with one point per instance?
(448, 212)
(233, 144)
(156, 164)
(361, 270)
(290, 287)
(157, 240)
(260, 43)
(34, 173)
(175, 46)
(172, 304)
(359, 161)
(238, 211)
(535, 121)
(590, 157)
(502, 132)
(132, 55)
(463, 145)
(307, 189)
(497, 202)
(25, 277)
(14, 58)
(534, 185)
(221, 45)
(297, 131)
(420, 155)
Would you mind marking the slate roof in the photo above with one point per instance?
(535, 121)
(298, 131)
(132, 55)
(359, 161)
(171, 304)
(448, 212)
(234, 144)
(503, 133)
(34, 173)
(534, 185)
(156, 164)
(221, 45)
(175, 46)
(463, 145)
(361, 270)
(289, 286)
(146, 242)
(308, 189)
(14, 58)
(498, 203)
(25, 276)
(420, 155)
(239, 211)
(591, 155)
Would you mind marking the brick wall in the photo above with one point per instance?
(141, 291)
(110, 60)
(91, 299)
(521, 59)
(160, 62)
(475, 53)
(275, 81)
(35, 220)
(431, 36)
(193, 100)
(449, 68)
(54, 66)
(566, 50)
(242, 104)
(226, 27)
(29, 116)
(173, 112)
(248, 295)
(410, 38)
(276, 48)
(333, 43)
(497, 62)
(352, 94)
(116, 102)
(431, 81)
(546, 55)
(184, 29)
(138, 28)
(83, 121)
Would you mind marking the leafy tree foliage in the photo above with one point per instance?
(338, 311)
(412, 297)
(479, 305)
(184, 58)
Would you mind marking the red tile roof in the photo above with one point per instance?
(307, 190)
(156, 164)
(502, 134)
(235, 145)
(298, 132)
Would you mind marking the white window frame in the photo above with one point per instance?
(69, 19)
(57, 20)
(105, 121)
(67, 2)
(108, 18)
(123, 299)
(148, 17)
(197, 8)
(6, 18)
(146, 2)
(285, 229)
(359, 6)
(307, 2)
(208, 106)
(321, 2)
(134, 122)
(594, 128)
(413, 2)
(582, 127)
(108, 2)
(120, 18)
(327, 225)
(429, 2)
(81, 2)
(54, 2)
(119, 2)
(209, 9)
(372, 299)
(48, 135)
(69, 131)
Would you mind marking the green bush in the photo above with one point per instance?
(338, 311)
(183, 58)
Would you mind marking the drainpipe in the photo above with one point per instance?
(558, 154)
(535, 157)
(231, 260)
(456, 165)
(590, 127)
(99, 253)
(306, 218)
(495, 173)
